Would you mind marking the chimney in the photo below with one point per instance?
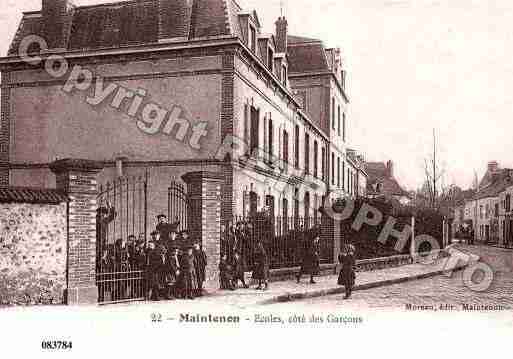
(57, 18)
(493, 166)
(390, 169)
(281, 34)
(174, 19)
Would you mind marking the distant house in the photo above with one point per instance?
(488, 207)
(382, 183)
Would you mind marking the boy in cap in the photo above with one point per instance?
(200, 258)
(188, 271)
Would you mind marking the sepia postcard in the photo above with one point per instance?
(243, 178)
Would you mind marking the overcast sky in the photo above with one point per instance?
(413, 66)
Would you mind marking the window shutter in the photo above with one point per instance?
(246, 126)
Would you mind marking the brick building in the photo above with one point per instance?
(179, 86)
(382, 182)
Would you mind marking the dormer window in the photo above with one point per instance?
(270, 59)
(252, 39)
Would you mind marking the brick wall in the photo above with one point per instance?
(32, 253)
(4, 129)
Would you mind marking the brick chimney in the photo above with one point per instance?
(175, 19)
(493, 166)
(281, 34)
(57, 19)
(390, 169)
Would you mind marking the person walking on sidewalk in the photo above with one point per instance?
(311, 262)
(238, 271)
(346, 276)
(261, 267)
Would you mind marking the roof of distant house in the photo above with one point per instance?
(378, 173)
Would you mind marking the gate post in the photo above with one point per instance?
(77, 179)
(204, 217)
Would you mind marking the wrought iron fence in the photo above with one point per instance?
(121, 222)
(284, 239)
(177, 204)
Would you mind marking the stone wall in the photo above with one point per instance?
(32, 253)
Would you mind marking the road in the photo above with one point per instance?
(430, 292)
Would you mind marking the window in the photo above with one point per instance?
(255, 129)
(307, 205)
(496, 210)
(253, 203)
(270, 59)
(285, 209)
(338, 121)
(348, 179)
(307, 153)
(333, 168)
(343, 175)
(481, 211)
(284, 74)
(344, 127)
(296, 208)
(285, 146)
(271, 140)
(333, 112)
(323, 164)
(338, 172)
(252, 39)
(316, 159)
(296, 147)
(508, 203)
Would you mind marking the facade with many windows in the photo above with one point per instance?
(193, 85)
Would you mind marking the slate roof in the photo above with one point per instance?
(306, 55)
(378, 173)
(134, 22)
(499, 184)
(31, 195)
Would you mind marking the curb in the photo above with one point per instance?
(290, 297)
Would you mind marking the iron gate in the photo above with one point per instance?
(177, 205)
(122, 239)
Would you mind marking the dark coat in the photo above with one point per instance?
(346, 276)
(311, 261)
(200, 258)
(188, 275)
(225, 275)
(104, 216)
(238, 268)
(261, 265)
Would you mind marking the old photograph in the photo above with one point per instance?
(243, 163)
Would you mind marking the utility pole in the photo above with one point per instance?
(434, 169)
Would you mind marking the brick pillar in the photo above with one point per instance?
(204, 217)
(330, 235)
(78, 179)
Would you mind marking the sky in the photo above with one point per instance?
(413, 66)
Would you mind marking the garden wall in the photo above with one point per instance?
(33, 237)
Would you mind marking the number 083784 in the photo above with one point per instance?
(56, 345)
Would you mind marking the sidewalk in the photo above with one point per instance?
(287, 291)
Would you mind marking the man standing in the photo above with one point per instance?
(174, 273)
(189, 279)
(200, 258)
(347, 274)
(238, 270)
(310, 263)
(105, 214)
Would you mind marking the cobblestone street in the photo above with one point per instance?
(433, 291)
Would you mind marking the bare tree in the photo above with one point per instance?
(434, 176)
